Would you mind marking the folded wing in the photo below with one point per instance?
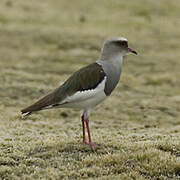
(87, 78)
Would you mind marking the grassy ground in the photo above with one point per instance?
(136, 130)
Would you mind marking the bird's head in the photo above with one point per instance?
(116, 47)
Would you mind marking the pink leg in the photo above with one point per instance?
(83, 126)
(89, 135)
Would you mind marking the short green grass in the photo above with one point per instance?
(136, 130)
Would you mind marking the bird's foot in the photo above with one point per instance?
(91, 144)
(84, 142)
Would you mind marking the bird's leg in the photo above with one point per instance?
(89, 135)
(83, 127)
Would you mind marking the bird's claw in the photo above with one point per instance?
(84, 143)
(92, 146)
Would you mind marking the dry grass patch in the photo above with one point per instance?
(136, 131)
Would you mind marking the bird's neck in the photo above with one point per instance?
(114, 60)
(112, 69)
(112, 66)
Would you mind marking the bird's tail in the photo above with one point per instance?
(39, 105)
(26, 114)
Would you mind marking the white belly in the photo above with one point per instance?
(85, 99)
(87, 103)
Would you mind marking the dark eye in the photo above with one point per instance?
(121, 43)
(124, 43)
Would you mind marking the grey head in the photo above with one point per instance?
(111, 60)
(117, 46)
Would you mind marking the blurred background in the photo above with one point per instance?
(43, 42)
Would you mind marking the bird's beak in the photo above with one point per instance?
(132, 51)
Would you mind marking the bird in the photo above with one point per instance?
(89, 86)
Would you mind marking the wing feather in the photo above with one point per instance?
(85, 79)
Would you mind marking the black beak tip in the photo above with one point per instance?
(132, 51)
(135, 52)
